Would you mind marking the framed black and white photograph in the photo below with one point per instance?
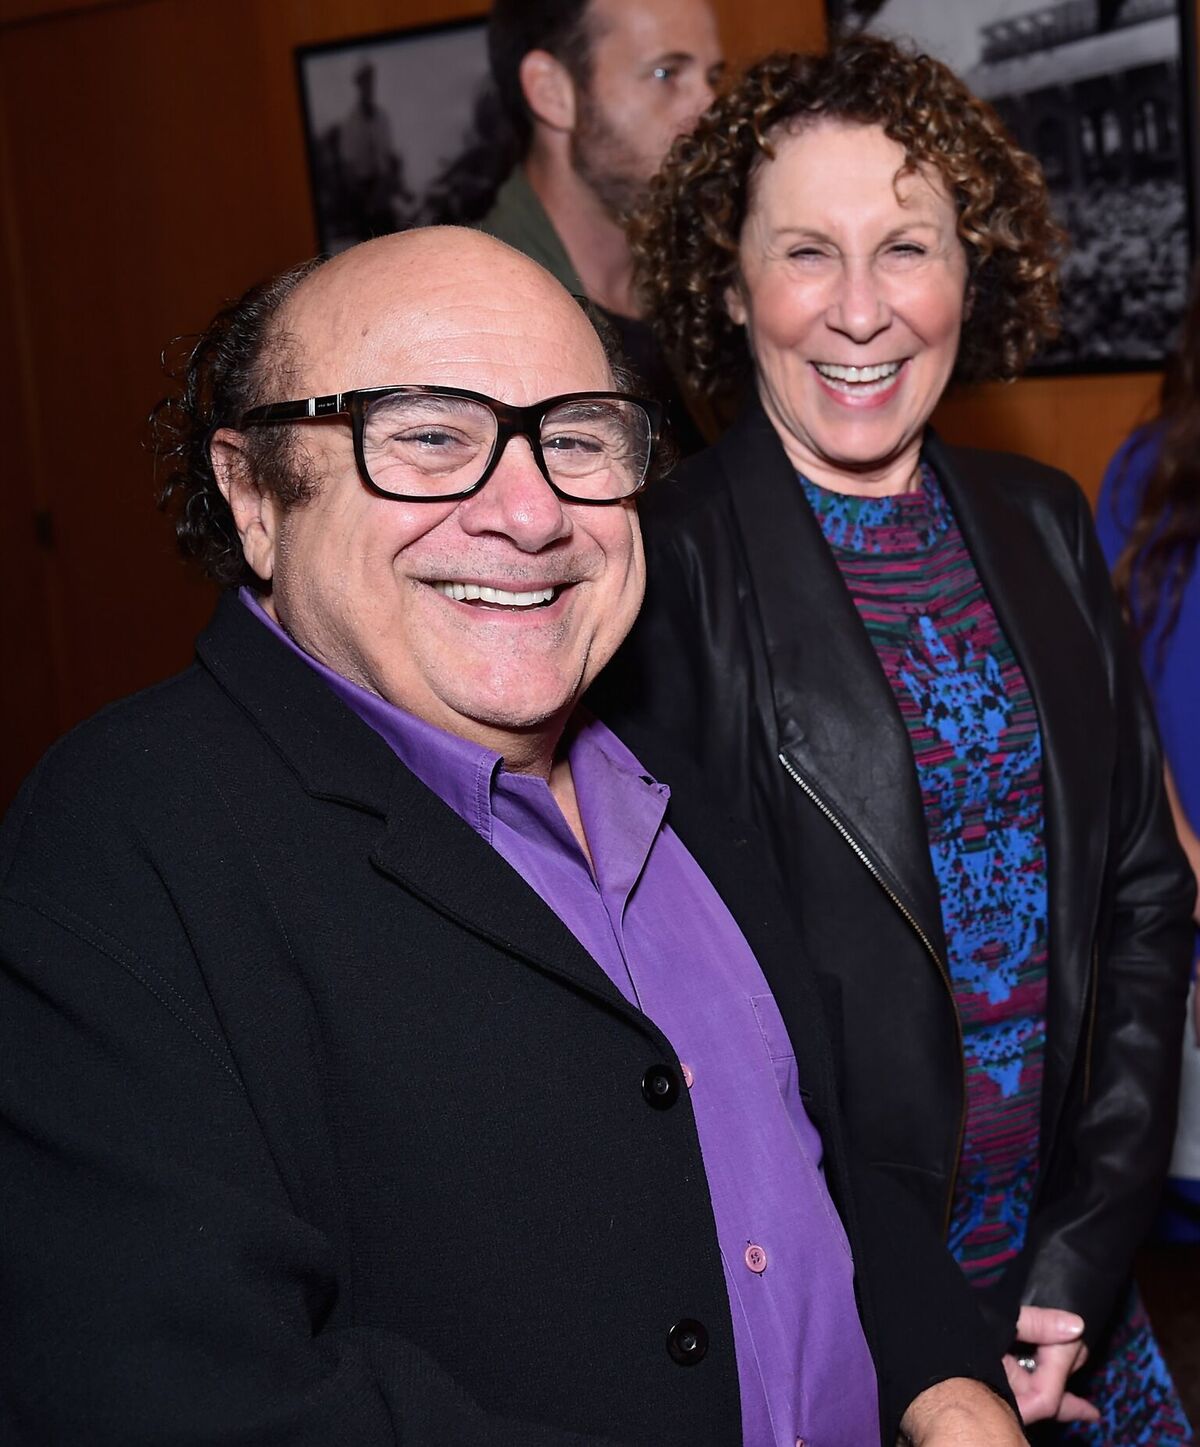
(1100, 92)
(383, 116)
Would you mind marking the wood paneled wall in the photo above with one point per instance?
(151, 165)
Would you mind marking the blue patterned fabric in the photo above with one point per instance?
(976, 745)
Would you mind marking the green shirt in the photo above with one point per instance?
(518, 217)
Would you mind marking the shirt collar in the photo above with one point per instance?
(617, 798)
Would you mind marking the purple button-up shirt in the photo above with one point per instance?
(650, 918)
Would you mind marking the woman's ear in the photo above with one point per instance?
(549, 90)
(255, 513)
(735, 304)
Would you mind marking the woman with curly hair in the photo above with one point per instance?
(903, 661)
(1148, 518)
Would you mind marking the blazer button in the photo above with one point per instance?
(687, 1342)
(660, 1086)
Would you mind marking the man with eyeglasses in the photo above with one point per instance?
(386, 1057)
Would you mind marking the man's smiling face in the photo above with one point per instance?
(361, 581)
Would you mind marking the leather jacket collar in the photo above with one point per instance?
(837, 722)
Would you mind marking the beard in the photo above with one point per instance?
(606, 162)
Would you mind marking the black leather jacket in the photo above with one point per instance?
(751, 660)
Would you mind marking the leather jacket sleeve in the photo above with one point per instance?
(1109, 1155)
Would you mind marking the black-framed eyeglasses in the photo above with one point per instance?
(437, 444)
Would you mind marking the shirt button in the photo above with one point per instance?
(756, 1260)
(660, 1086)
(688, 1077)
(687, 1342)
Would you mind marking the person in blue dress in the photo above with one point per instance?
(1148, 518)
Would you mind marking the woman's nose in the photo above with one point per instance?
(859, 308)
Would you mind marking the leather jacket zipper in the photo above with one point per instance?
(906, 914)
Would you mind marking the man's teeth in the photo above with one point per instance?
(858, 376)
(477, 592)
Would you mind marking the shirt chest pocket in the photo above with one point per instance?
(778, 1045)
(779, 1049)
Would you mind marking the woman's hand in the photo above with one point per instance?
(1053, 1338)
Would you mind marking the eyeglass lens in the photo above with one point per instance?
(595, 448)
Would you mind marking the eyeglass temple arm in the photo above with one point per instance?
(326, 406)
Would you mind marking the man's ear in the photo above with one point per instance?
(255, 513)
(548, 89)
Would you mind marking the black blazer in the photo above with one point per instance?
(320, 1128)
(751, 662)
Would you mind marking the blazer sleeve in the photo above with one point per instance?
(923, 1319)
(158, 1283)
(1116, 1145)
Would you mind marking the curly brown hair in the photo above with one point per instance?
(685, 240)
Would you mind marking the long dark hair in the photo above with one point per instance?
(1160, 554)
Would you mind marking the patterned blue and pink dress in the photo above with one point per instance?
(977, 747)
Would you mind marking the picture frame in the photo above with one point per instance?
(1100, 91)
(383, 115)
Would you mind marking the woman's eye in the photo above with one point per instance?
(665, 72)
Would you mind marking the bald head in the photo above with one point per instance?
(440, 306)
(472, 564)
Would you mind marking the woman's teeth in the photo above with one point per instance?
(478, 593)
(858, 381)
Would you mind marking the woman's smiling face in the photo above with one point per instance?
(852, 289)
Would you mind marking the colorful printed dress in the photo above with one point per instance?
(977, 746)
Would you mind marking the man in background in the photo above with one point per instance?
(587, 97)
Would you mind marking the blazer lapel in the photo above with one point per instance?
(436, 856)
(425, 846)
(1052, 640)
(835, 716)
